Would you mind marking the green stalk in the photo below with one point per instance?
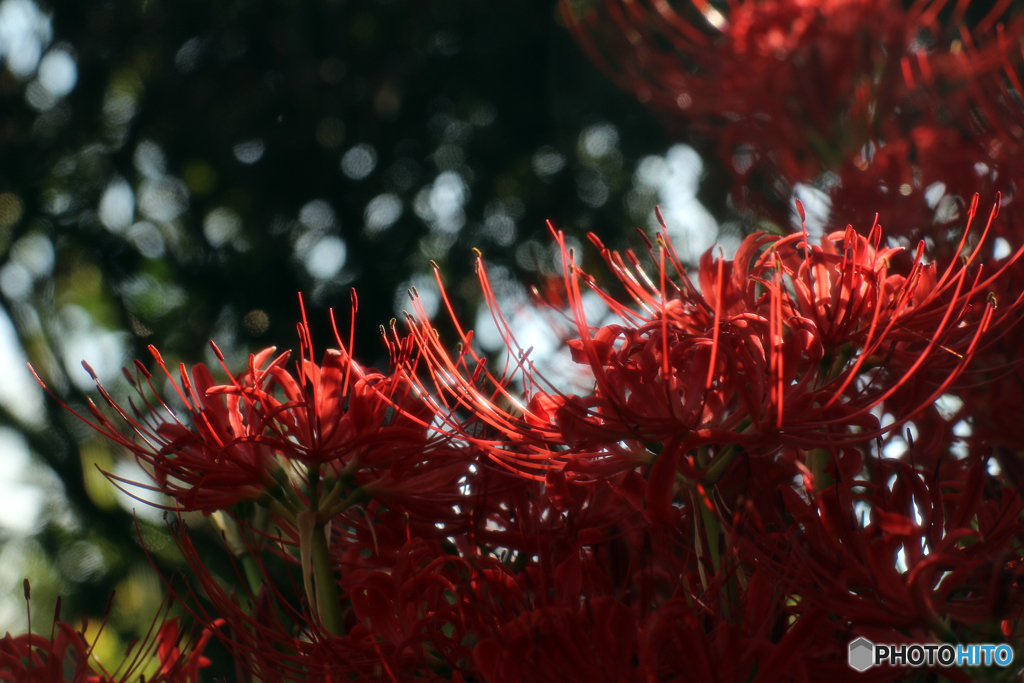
(819, 459)
(721, 464)
(711, 531)
(726, 457)
(712, 528)
(698, 544)
(326, 587)
(339, 506)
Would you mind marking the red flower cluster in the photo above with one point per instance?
(244, 437)
(722, 506)
(913, 107)
(733, 499)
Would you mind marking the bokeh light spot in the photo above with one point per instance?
(221, 226)
(149, 159)
(382, 212)
(1001, 248)
(187, 57)
(117, 205)
(256, 322)
(35, 253)
(163, 199)
(24, 31)
(58, 72)
(447, 198)
(547, 161)
(317, 215)
(250, 151)
(39, 98)
(359, 162)
(326, 258)
(147, 238)
(15, 281)
(598, 140)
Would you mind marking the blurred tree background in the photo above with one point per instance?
(175, 172)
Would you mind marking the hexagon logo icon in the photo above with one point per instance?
(862, 654)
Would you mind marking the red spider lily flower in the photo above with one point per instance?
(839, 303)
(787, 344)
(243, 440)
(885, 103)
(310, 446)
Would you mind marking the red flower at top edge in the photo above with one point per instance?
(879, 103)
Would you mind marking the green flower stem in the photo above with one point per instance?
(313, 477)
(711, 530)
(332, 496)
(698, 544)
(819, 459)
(328, 599)
(253, 575)
(285, 492)
(238, 546)
(339, 506)
(281, 508)
(721, 464)
(839, 361)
